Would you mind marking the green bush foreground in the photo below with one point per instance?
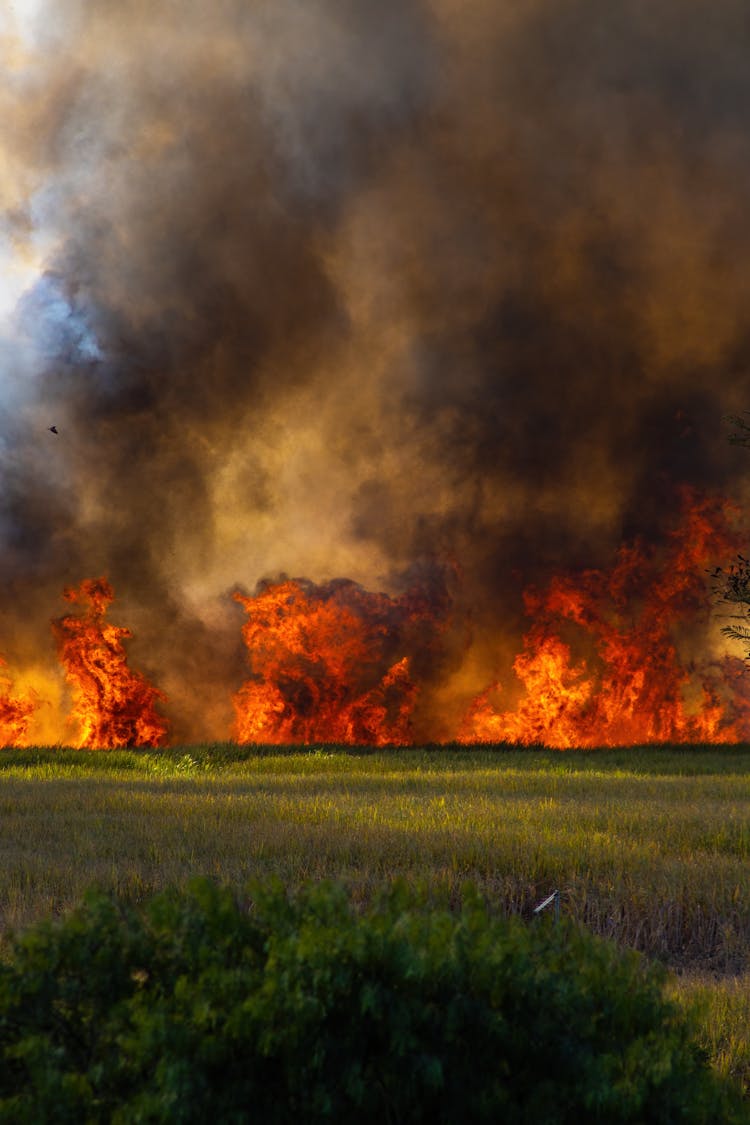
(299, 1009)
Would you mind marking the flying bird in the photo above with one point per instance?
(52, 429)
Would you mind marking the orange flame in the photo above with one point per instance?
(633, 687)
(15, 712)
(112, 705)
(328, 665)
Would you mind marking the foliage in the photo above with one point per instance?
(741, 433)
(733, 587)
(732, 584)
(722, 1009)
(298, 1008)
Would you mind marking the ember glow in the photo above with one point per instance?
(112, 705)
(365, 294)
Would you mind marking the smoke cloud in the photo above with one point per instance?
(332, 289)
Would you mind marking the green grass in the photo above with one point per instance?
(648, 846)
(723, 1007)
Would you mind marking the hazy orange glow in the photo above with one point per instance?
(629, 684)
(15, 712)
(326, 665)
(112, 705)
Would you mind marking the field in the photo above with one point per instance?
(648, 846)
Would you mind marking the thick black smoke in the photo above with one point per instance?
(334, 287)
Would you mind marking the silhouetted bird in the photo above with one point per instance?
(52, 429)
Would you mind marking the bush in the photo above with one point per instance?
(301, 1010)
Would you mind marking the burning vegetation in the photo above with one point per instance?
(328, 665)
(112, 705)
(612, 657)
(631, 685)
(16, 711)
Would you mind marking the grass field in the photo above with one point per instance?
(648, 846)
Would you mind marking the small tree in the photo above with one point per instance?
(733, 587)
(733, 583)
(741, 433)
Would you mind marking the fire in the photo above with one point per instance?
(630, 684)
(330, 663)
(112, 705)
(16, 711)
(612, 656)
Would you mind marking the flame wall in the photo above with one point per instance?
(339, 288)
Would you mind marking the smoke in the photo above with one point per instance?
(333, 288)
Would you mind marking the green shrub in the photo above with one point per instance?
(301, 1010)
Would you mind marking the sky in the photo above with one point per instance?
(341, 289)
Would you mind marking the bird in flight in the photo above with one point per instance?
(53, 429)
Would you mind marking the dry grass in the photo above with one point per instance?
(648, 847)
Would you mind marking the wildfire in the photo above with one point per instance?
(112, 705)
(15, 712)
(631, 685)
(611, 657)
(329, 663)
